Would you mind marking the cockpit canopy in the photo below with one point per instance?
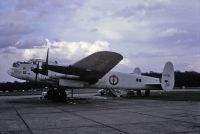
(16, 64)
(31, 61)
(35, 61)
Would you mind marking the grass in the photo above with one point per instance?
(173, 96)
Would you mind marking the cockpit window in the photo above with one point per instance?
(16, 65)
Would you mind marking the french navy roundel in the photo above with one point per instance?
(113, 80)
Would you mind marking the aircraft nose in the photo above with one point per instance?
(10, 71)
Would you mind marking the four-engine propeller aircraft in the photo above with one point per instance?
(90, 72)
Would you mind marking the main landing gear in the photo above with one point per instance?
(138, 93)
(56, 94)
(130, 94)
(147, 93)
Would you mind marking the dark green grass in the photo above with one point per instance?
(173, 96)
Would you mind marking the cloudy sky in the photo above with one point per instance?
(146, 32)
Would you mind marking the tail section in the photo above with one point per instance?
(167, 81)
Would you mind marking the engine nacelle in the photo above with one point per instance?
(71, 83)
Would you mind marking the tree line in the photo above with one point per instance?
(182, 79)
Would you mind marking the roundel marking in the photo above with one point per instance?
(113, 80)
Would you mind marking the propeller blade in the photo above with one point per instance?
(47, 58)
(45, 65)
(36, 76)
(37, 71)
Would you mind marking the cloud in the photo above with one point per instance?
(147, 33)
(11, 29)
(74, 50)
(171, 32)
(30, 43)
(142, 8)
(62, 50)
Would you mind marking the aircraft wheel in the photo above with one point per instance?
(139, 93)
(62, 95)
(59, 95)
(102, 93)
(49, 95)
(56, 95)
(130, 94)
(147, 93)
(110, 93)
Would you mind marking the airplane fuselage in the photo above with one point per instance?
(112, 80)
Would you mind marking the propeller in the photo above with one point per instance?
(44, 69)
(36, 71)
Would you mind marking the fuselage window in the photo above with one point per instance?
(138, 80)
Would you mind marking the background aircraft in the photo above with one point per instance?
(90, 72)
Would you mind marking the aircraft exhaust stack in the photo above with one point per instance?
(167, 80)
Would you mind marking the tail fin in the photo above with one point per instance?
(167, 81)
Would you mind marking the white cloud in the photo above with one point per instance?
(59, 50)
(62, 50)
(143, 31)
(171, 32)
(127, 63)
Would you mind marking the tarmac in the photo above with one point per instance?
(91, 114)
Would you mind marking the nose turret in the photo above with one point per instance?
(10, 71)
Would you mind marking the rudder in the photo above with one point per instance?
(167, 81)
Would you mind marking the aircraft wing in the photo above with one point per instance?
(91, 68)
